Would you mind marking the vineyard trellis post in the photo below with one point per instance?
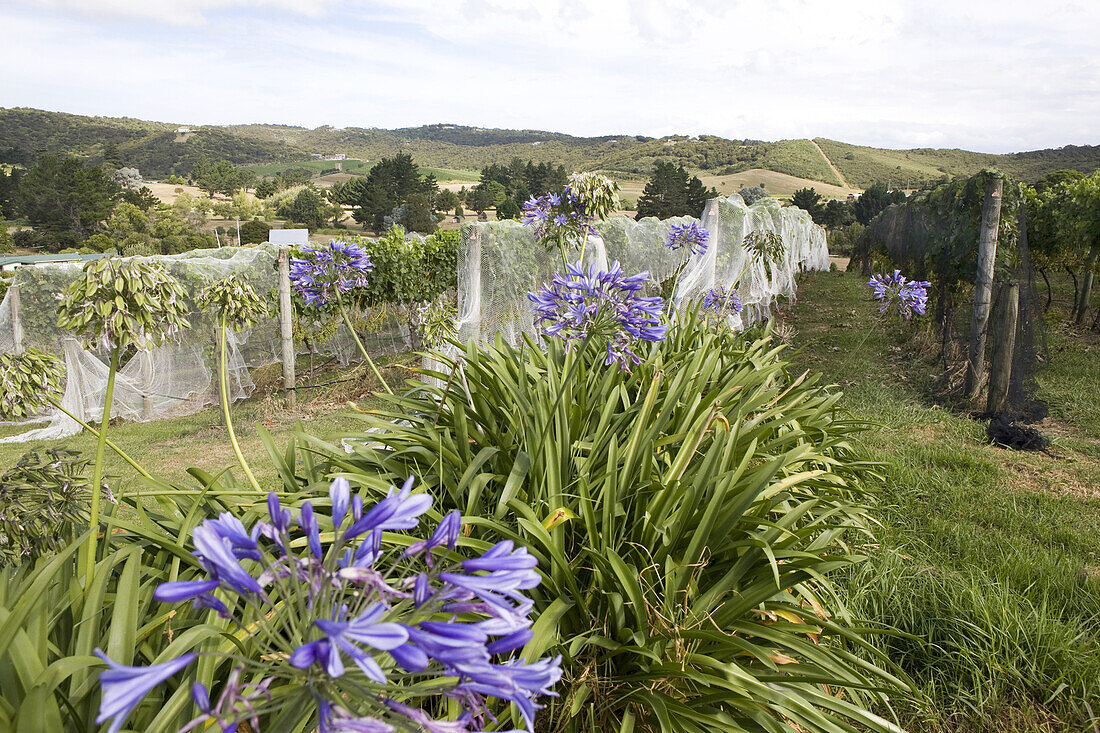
(983, 284)
(286, 327)
(16, 319)
(1004, 346)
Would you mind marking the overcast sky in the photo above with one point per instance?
(989, 76)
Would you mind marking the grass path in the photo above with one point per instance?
(839, 175)
(989, 556)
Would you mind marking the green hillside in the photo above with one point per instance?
(862, 166)
(157, 150)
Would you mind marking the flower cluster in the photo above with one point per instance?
(600, 304)
(723, 301)
(234, 300)
(29, 382)
(383, 636)
(598, 193)
(118, 302)
(693, 236)
(43, 504)
(557, 216)
(911, 296)
(322, 273)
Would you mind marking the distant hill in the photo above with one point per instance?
(157, 150)
(862, 166)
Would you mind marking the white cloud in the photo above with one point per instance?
(175, 12)
(984, 75)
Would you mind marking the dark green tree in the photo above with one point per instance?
(254, 232)
(837, 214)
(874, 200)
(266, 187)
(809, 200)
(670, 192)
(389, 185)
(64, 201)
(307, 208)
(111, 155)
(419, 215)
(142, 198)
(447, 200)
(479, 198)
(508, 209)
(9, 192)
(218, 177)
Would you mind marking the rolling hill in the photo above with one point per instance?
(157, 150)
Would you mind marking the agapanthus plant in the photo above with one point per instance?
(351, 630)
(558, 217)
(723, 301)
(606, 306)
(692, 236)
(235, 305)
(323, 275)
(910, 296)
(117, 303)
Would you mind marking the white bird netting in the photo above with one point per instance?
(727, 263)
(178, 378)
(500, 262)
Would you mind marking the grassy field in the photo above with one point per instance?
(988, 557)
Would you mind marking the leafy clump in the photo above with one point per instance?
(28, 382)
(691, 513)
(42, 500)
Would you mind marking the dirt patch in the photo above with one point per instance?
(1051, 474)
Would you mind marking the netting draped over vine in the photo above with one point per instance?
(727, 263)
(500, 262)
(178, 378)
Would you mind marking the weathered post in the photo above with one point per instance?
(16, 319)
(1086, 284)
(286, 327)
(983, 285)
(1004, 346)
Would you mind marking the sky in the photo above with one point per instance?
(989, 76)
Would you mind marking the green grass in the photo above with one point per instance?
(451, 175)
(989, 557)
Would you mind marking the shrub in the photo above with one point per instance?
(255, 232)
(687, 515)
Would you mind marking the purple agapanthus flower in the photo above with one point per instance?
(723, 301)
(911, 296)
(693, 236)
(606, 305)
(557, 214)
(313, 591)
(322, 273)
(124, 687)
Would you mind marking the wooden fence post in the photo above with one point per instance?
(1004, 346)
(286, 327)
(16, 319)
(983, 285)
